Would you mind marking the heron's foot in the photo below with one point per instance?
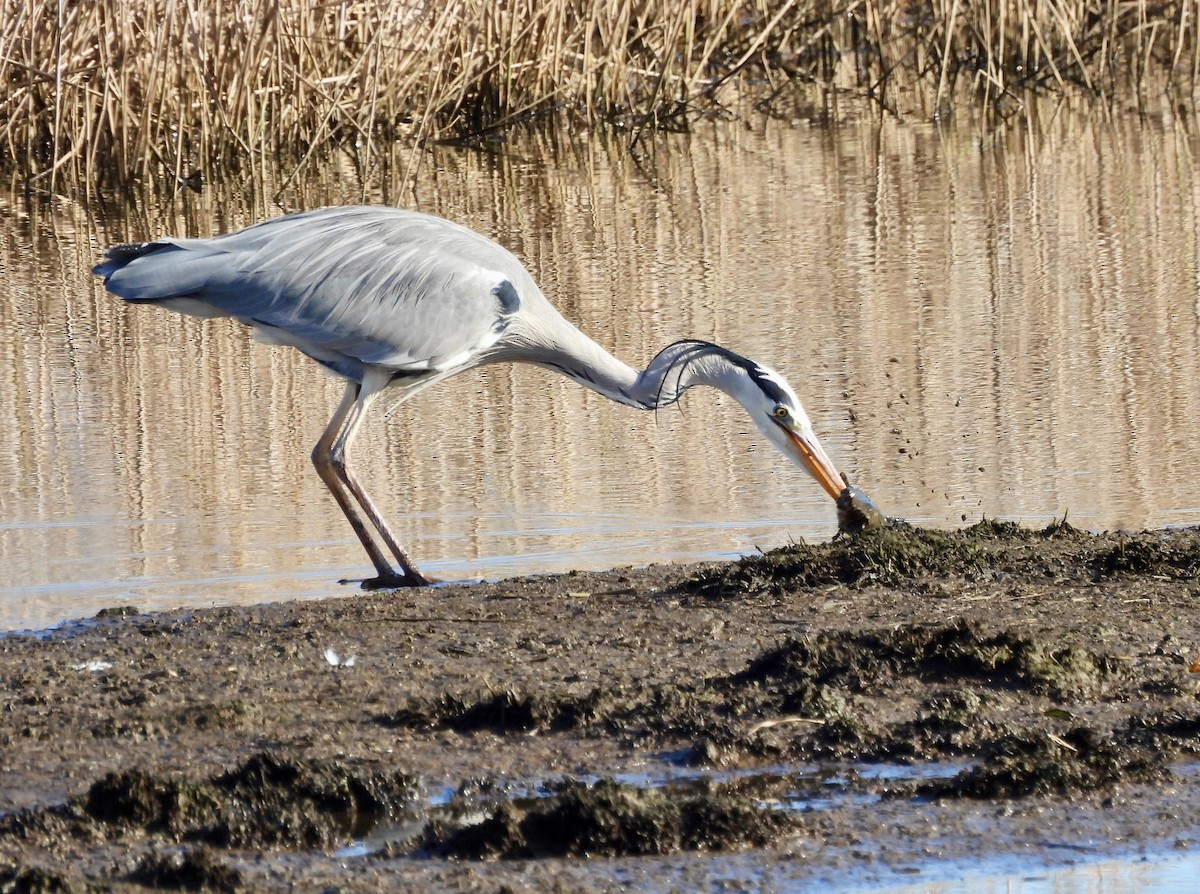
(393, 581)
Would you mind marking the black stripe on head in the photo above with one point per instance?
(770, 387)
(689, 351)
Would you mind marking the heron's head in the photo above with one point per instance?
(764, 394)
(780, 416)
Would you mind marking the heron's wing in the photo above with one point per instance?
(374, 285)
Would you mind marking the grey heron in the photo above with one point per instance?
(394, 300)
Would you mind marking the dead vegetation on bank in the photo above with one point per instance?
(116, 91)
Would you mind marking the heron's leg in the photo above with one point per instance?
(409, 576)
(322, 460)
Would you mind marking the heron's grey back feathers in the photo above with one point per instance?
(351, 287)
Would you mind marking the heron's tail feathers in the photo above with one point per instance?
(118, 256)
(156, 271)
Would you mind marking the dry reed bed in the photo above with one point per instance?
(112, 91)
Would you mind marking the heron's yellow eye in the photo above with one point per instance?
(780, 413)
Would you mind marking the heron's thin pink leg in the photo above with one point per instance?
(410, 576)
(323, 461)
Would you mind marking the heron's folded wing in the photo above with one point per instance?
(396, 289)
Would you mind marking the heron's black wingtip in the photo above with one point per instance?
(119, 255)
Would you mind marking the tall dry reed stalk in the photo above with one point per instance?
(108, 92)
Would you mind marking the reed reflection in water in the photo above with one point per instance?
(980, 323)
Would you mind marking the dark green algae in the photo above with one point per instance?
(900, 554)
(269, 801)
(610, 819)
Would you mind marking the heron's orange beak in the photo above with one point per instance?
(817, 463)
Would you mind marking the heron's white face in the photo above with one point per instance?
(779, 415)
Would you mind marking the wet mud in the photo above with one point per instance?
(609, 819)
(838, 712)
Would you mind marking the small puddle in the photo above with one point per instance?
(1143, 874)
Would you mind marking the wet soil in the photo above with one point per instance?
(860, 710)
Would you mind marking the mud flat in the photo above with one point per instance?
(870, 710)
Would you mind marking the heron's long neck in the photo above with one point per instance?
(593, 367)
(673, 370)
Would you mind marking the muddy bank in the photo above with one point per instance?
(852, 710)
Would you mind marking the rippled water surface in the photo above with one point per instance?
(980, 322)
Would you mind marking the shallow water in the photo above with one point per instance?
(980, 322)
(1150, 874)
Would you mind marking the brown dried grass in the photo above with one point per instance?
(109, 92)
